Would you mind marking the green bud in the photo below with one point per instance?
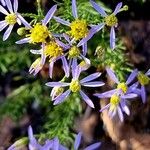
(21, 31)
(125, 7)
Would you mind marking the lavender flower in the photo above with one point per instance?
(109, 20)
(143, 80)
(12, 17)
(78, 141)
(119, 95)
(54, 52)
(79, 28)
(75, 86)
(40, 32)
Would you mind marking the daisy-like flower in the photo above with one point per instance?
(75, 86)
(54, 52)
(12, 17)
(39, 33)
(79, 27)
(143, 80)
(3, 2)
(78, 142)
(110, 20)
(119, 95)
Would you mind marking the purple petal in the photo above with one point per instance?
(112, 38)
(93, 84)
(93, 146)
(86, 99)
(7, 33)
(120, 114)
(128, 96)
(61, 44)
(125, 107)
(3, 2)
(36, 51)
(74, 9)
(49, 15)
(60, 84)
(112, 75)
(105, 107)
(148, 72)
(84, 48)
(3, 10)
(51, 66)
(143, 94)
(3, 25)
(62, 21)
(132, 76)
(9, 5)
(75, 69)
(107, 94)
(65, 66)
(67, 39)
(25, 23)
(98, 8)
(78, 141)
(15, 5)
(62, 97)
(90, 77)
(56, 144)
(117, 9)
(92, 31)
(25, 40)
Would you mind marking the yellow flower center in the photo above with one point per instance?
(11, 19)
(114, 101)
(39, 33)
(75, 86)
(79, 29)
(52, 49)
(111, 20)
(74, 52)
(143, 79)
(36, 63)
(123, 87)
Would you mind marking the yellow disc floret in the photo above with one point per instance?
(79, 29)
(39, 33)
(11, 19)
(123, 87)
(114, 101)
(74, 52)
(75, 85)
(58, 91)
(111, 20)
(143, 79)
(36, 63)
(53, 50)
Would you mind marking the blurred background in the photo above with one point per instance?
(25, 100)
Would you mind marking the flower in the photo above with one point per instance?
(54, 52)
(75, 86)
(39, 33)
(78, 141)
(119, 95)
(143, 80)
(109, 20)
(3, 2)
(79, 27)
(11, 18)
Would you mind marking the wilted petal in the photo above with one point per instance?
(62, 97)
(112, 75)
(25, 40)
(77, 141)
(143, 94)
(62, 21)
(7, 33)
(3, 10)
(106, 94)
(98, 8)
(74, 9)
(93, 84)
(49, 15)
(120, 114)
(15, 5)
(59, 84)
(90, 77)
(117, 9)
(112, 38)
(9, 5)
(132, 76)
(65, 66)
(87, 99)
(93, 146)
